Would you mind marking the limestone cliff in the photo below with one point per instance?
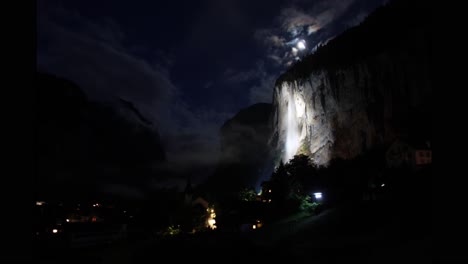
(363, 89)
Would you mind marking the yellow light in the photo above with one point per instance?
(212, 223)
(55, 231)
(254, 227)
(212, 210)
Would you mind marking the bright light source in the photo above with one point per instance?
(269, 191)
(292, 126)
(269, 200)
(55, 231)
(254, 226)
(212, 223)
(39, 203)
(212, 210)
(318, 195)
(68, 220)
(383, 184)
(301, 45)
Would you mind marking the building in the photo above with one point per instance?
(405, 154)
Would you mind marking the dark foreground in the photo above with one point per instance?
(377, 232)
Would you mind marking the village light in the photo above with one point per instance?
(383, 184)
(254, 227)
(68, 220)
(55, 231)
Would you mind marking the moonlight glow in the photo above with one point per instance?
(301, 44)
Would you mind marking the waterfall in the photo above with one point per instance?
(292, 128)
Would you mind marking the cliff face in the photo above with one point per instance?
(81, 145)
(360, 91)
(244, 148)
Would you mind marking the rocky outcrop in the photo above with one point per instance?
(363, 89)
(244, 147)
(81, 146)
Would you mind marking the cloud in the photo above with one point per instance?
(270, 38)
(235, 77)
(262, 90)
(300, 21)
(275, 58)
(92, 54)
(312, 29)
(293, 20)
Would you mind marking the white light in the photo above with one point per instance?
(383, 184)
(254, 227)
(301, 45)
(39, 203)
(294, 51)
(269, 191)
(68, 220)
(292, 129)
(54, 231)
(318, 195)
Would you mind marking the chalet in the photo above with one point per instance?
(405, 154)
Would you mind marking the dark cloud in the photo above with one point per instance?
(235, 77)
(312, 21)
(263, 91)
(93, 55)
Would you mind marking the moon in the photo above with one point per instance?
(301, 44)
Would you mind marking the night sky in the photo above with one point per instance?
(186, 65)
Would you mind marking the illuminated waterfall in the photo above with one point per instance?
(292, 129)
(302, 124)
